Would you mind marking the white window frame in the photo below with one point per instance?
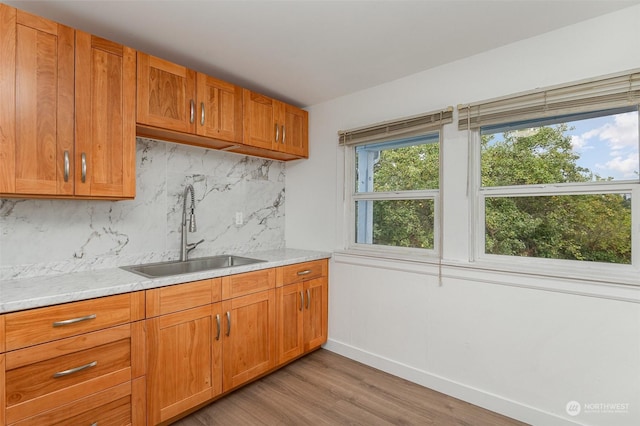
(351, 196)
(563, 268)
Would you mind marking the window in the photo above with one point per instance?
(556, 173)
(561, 187)
(392, 185)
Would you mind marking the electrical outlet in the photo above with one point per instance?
(238, 218)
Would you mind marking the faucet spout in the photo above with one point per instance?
(185, 248)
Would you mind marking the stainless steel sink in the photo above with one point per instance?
(176, 267)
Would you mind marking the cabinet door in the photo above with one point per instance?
(105, 118)
(260, 128)
(294, 137)
(315, 313)
(36, 104)
(290, 314)
(219, 109)
(249, 340)
(166, 94)
(184, 361)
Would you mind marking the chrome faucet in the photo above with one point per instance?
(185, 248)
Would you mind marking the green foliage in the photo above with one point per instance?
(406, 223)
(578, 227)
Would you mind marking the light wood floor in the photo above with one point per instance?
(324, 388)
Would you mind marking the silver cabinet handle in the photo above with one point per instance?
(84, 167)
(94, 424)
(202, 113)
(74, 320)
(228, 323)
(66, 166)
(305, 272)
(277, 133)
(192, 111)
(308, 298)
(218, 324)
(284, 135)
(301, 300)
(74, 370)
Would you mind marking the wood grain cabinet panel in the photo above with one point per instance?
(180, 105)
(248, 337)
(219, 109)
(36, 104)
(105, 139)
(111, 407)
(273, 125)
(166, 94)
(44, 377)
(184, 361)
(302, 309)
(34, 326)
(67, 111)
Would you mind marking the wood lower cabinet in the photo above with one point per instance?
(75, 361)
(249, 337)
(302, 298)
(67, 111)
(147, 358)
(184, 348)
(184, 366)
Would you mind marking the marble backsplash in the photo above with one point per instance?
(43, 237)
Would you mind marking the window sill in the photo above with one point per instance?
(622, 286)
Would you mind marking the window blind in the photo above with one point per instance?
(602, 93)
(396, 129)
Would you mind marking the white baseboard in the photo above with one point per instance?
(496, 403)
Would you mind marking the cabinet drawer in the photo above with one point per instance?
(109, 407)
(174, 298)
(42, 325)
(302, 271)
(46, 376)
(250, 282)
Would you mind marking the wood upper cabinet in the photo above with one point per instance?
(248, 337)
(174, 98)
(219, 109)
(36, 105)
(166, 94)
(67, 105)
(274, 125)
(105, 118)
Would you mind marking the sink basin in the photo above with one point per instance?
(176, 267)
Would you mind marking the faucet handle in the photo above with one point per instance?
(192, 246)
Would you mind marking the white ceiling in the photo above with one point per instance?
(307, 52)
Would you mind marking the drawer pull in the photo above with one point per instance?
(305, 272)
(218, 324)
(74, 320)
(74, 370)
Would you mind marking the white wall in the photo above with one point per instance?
(497, 340)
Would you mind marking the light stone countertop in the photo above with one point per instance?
(28, 293)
